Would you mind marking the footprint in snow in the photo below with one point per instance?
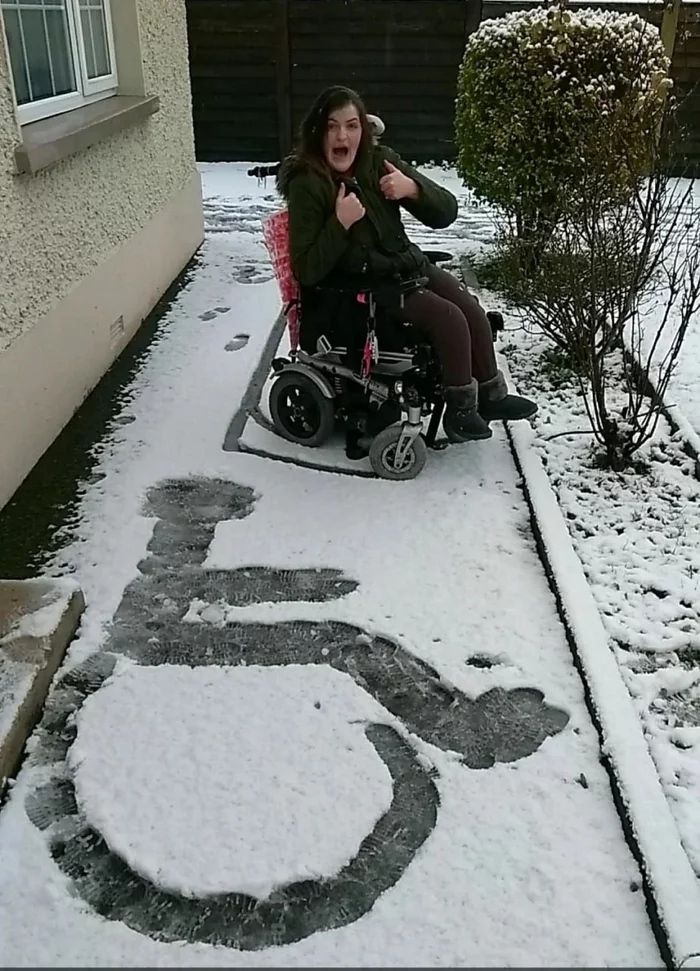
(211, 314)
(238, 342)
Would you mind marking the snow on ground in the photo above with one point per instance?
(683, 387)
(526, 863)
(682, 396)
(245, 839)
(638, 537)
(16, 677)
(212, 310)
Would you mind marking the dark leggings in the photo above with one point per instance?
(457, 327)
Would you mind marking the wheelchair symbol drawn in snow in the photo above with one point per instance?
(498, 726)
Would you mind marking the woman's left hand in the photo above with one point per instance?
(396, 185)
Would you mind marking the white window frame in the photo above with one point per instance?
(89, 90)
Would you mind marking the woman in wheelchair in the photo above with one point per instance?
(344, 194)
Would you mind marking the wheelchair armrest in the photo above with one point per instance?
(410, 286)
(396, 287)
(437, 256)
(351, 288)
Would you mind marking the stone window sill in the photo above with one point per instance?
(48, 141)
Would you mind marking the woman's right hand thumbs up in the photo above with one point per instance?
(348, 208)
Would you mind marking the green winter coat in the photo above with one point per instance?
(377, 245)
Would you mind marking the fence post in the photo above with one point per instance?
(283, 75)
(669, 26)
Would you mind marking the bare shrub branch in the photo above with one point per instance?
(617, 287)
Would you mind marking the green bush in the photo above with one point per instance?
(542, 91)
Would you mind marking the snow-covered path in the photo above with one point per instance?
(341, 725)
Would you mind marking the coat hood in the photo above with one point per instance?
(290, 167)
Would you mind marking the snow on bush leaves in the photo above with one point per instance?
(540, 90)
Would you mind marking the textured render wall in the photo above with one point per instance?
(56, 226)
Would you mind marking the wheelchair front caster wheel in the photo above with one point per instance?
(382, 454)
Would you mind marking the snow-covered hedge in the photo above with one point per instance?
(541, 91)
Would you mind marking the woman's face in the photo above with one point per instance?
(342, 138)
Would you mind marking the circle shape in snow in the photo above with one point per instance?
(276, 789)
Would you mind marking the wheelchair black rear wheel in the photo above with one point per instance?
(300, 411)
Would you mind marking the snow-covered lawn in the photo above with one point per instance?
(638, 537)
(683, 397)
(313, 678)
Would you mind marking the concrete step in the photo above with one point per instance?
(37, 621)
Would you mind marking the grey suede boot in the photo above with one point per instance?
(461, 421)
(495, 404)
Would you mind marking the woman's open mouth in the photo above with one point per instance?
(341, 153)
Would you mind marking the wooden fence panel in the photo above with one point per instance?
(686, 73)
(401, 55)
(257, 65)
(234, 52)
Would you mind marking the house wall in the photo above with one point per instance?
(89, 245)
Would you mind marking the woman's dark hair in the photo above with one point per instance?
(314, 126)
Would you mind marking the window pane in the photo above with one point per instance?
(19, 65)
(87, 40)
(40, 49)
(37, 53)
(99, 33)
(61, 56)
(94, 25)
